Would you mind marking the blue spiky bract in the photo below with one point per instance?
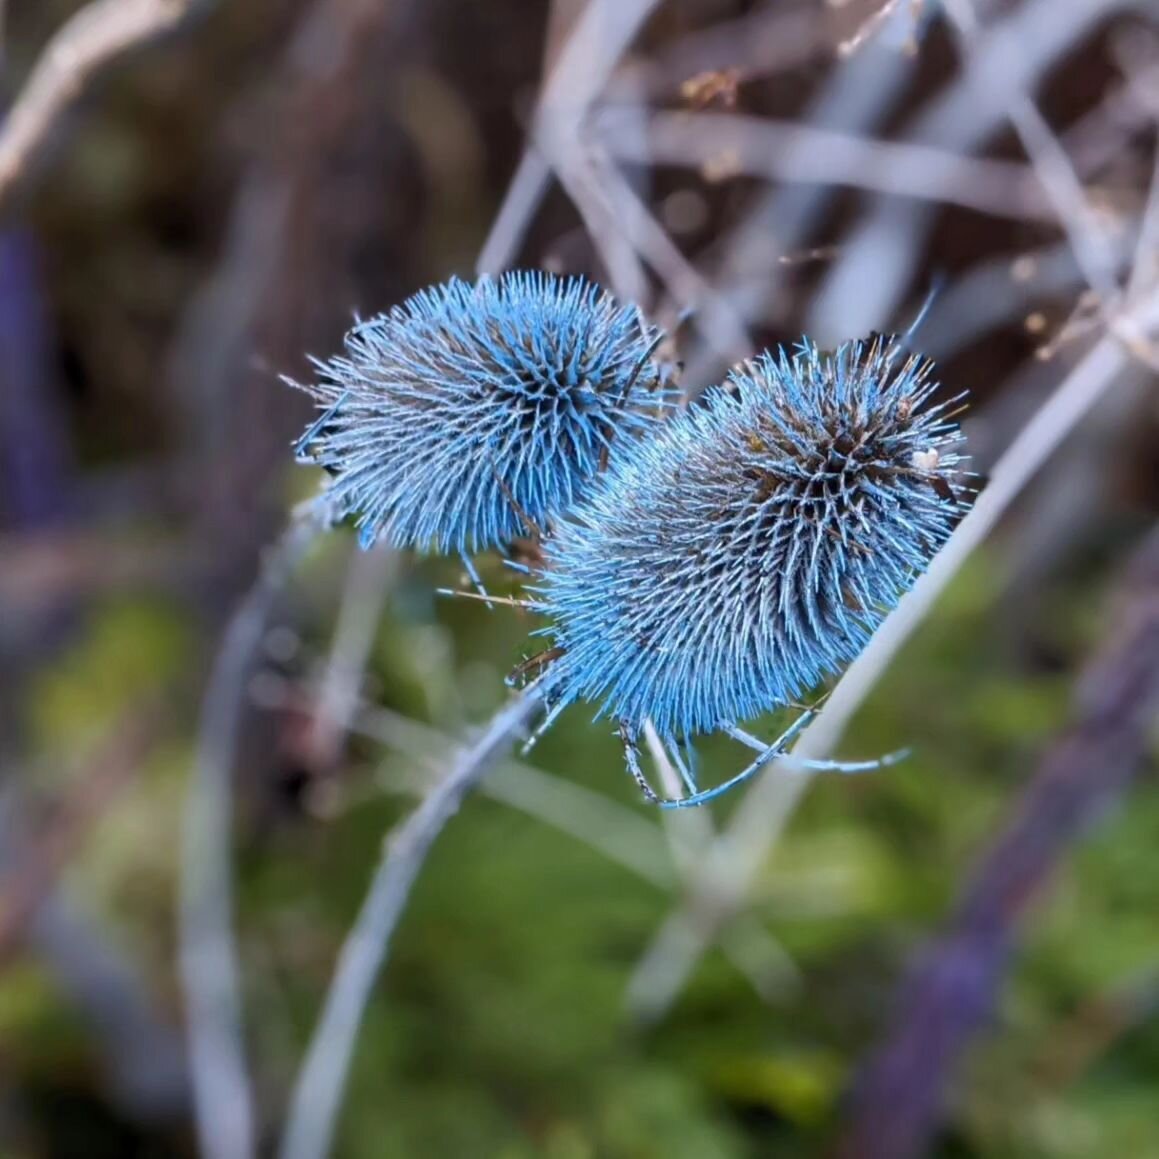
(473, 409)
(751, 547)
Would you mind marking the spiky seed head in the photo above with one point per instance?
(753, 544)
(474, 409)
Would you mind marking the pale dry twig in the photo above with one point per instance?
(208, 957)
(83, 50)
(318, 1090)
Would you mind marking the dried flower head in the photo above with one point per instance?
(473, 409)
(752, 545)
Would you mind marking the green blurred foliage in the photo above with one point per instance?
(500, 1026)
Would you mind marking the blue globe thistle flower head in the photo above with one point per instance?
(472, 410)
(752, 545)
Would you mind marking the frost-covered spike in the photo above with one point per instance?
(457, 418)
(751, 545)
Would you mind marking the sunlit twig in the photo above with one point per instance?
(318, 1090)
(95, 38)
(223, 1101)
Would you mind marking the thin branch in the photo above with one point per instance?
(368, 577)
(715, 317)
(689, 831)
(764, 963)
(1055, 171)
(878, 20)
(318, 1091)
(526, 191)
(859, 94)
(1063, 186)
(208, 959)
(804, 153)
(1146, 269)
(1095, 140)
(994, 293)
(97, 37)
(621, 834)
(1009, 58)
(898, 1099)
(620, 257)
(599, 38)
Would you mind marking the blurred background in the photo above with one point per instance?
(957, 956)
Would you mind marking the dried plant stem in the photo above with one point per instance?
(720, 324)
(811, 154)
(318, 1090)
(1008, 59)
(618, 832)
(1055, 171)
(96, 37)
(599, 38)
(897, 1101)
(368, 579)
(223, 1101)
